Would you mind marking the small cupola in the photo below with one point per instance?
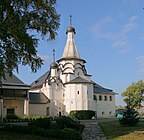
(54, 66)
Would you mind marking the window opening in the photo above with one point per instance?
(110, 98)
(100, 98)
(105, 98)
(95, 98)
(110, 113)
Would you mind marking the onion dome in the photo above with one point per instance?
(53, 65)
(70, 29)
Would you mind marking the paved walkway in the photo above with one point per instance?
(92, 131)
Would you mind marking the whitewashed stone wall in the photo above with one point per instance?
(105, 108)
(38, 109)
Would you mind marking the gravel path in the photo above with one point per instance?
(92, 131)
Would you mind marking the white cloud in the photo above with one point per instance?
(98, 28)
(119, 39)
(131, 25)
(140, 60)
(119, 43)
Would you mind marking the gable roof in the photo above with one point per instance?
(102, 90)
(38, 98)
(79, 80)
(96, 85)
(40, 81)
(12, 82)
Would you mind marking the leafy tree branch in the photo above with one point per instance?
(18, 19)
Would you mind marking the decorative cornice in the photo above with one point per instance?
(71, 58)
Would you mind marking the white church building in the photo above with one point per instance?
(67, 86)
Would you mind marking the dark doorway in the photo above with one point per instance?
(47, 111)
(59, 113)
(10, 111)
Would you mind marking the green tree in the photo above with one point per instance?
(19, 20)
(134, 94)
(130, 117)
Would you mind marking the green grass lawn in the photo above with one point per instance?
(16, 136)
(114, 131)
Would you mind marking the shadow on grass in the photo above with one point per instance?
(113, 130)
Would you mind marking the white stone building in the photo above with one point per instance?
(14, 97)
(68, 86)
(16, 100)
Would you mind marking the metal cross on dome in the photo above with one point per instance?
(54, 55)
(70, 20)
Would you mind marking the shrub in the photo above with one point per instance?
(41, 123)
(82, 114)
(130, 117)
(65, 134)
(16, 128)
(66, 128)
(11, 117)
(67, 122)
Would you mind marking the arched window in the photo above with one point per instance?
(110, 113)
(100, 98)
(77, 92)
(110, 98)
(105, 98)
(95, 97)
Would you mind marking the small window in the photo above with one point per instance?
(105, 98)
(110, 98)
(110, 113)
(10, 111)
(95, 98)
(77, 92)
(47, 111)
(100, 98)
(78, 73)
(103, 113)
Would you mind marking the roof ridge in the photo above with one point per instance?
(78, 79)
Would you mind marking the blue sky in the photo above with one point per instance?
(109, 36)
